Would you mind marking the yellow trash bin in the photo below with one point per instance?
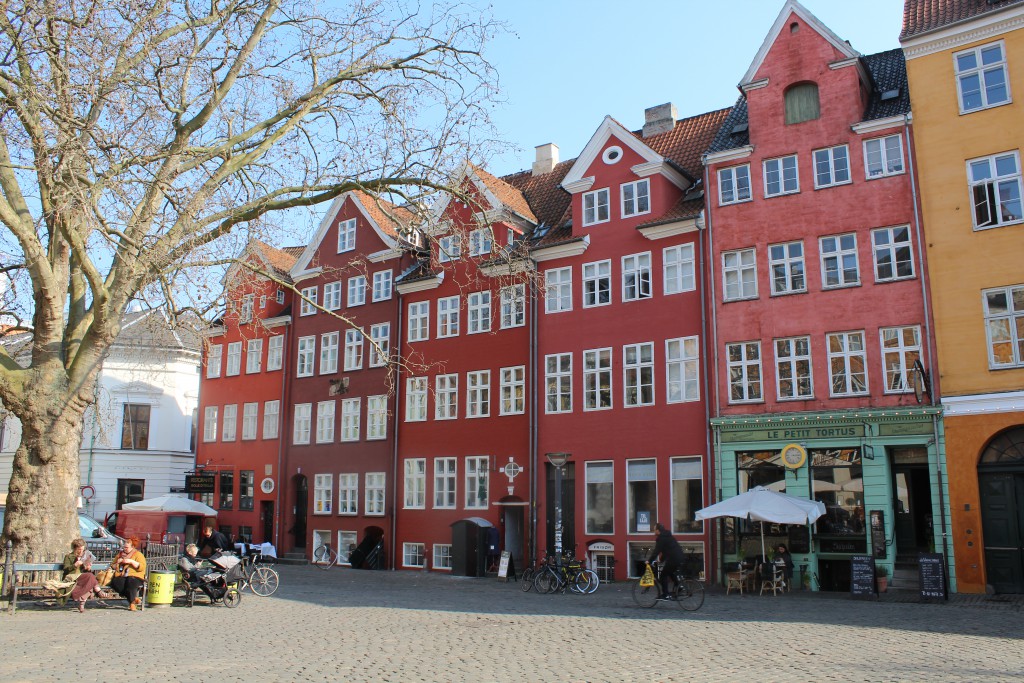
(161, 588)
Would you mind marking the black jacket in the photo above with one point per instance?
(216, 541)
(668, 547)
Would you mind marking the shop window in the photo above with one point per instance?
(837, 482)
(227, 490)
(246, 490)
(600, 498)
(687, 495)
(642, 482)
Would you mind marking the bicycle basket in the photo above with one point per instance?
(647, 580)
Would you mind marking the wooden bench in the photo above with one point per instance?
(12, 570)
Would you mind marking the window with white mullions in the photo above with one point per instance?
(253, 356)
(323, 488)
(209, 424)
(883, 156)
(636, 198)
(250, 416)
(416, 483)
(234, 359)
(839, 263)
(744, 360)
(739, 275)
(597, 284)
(230, 422)
(442, 556)
(780, 176)
(380, 346)
(636, 277)
(981, 77)
(419, 321)
(734, 184)
(558, 290)
(416, 399)
(351, 409)
(513, 390)
(382, 285)
(213, 360)
(353, 350)
(271, 419)
(638, 374)
(329, 353)
(478, 311)
(481, 241)
(332, 296)
(301, 423)
(558, 378)
(682, 370)
(357, 290)
(376, 417)
(449, 248)
(901, 347)
(847, 363)
(831, 166)
(513, 306)
(308, 301)
(275, 352)
(477, 470)
(1004, 326)
(894, 259)
(787, 264)
(348, 494)
(413, 555)
(595, 207)
(995, 189)
(793, 368)
(305, 357)
(446, 397)
(678, 269)
(444, 482)
(597, 379)
(478, 393)
(347, 235)
(325, 422)
(375, 493)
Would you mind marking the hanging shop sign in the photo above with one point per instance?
(199, 483)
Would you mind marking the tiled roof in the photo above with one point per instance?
(922, 16)
(281, 260)
(507, 194)
(392, 219)
(420, 270)
(888, 71)
(152, 330)
(689, 206)
(688, 140)
(549, 201)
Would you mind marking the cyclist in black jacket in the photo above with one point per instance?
(671, 554)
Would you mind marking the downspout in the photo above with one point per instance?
(392, 542)
(281, 431)
(533, 423)
(92, 443)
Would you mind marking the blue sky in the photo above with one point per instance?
(568, 63)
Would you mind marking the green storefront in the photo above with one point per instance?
(880, 473)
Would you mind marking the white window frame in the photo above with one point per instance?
(353, 350)
(348, 493)
(307, 301)
(635, 370)
(275, 352)
(442, 556)
(887, 164)
(234, 364)
(416, 399)
(230, 423)
(898, 357)
(636, 277)
(210, 424)
(213, 361)
(513, 390)
(325, 421)
(347, 235)
(513, 306)
(593, 203)
(446, 477)
(478, 393)
(598, 382)
(351, 416)
(478, 312)
(448, 309)
(481, 241)
(682, 369)
(382, 285)
(737, 270)
(588, 479)
(301, 424)
(993, 186)
(332, 296)
(271, 419)
(1002, 326)
(980, 70)
(735, 177)
(828, 157)
(323, 493)
(446, 397)
(250, 420)
(414, 555)
(245, 311)
(789, 359)
(558, 290)
(356, 290)
(678, 269)
(558, 383)
(641, 194)
(477, 473)
(419, 321)
(415, 484)
(253, 356)
(792, 266)
(846, 357)
(892, 247)
(838, 252)
(380, 344)
(785, 175)
(329, 353)
(597, 280)
(449, 248)
(305, 356)
(749, 359)
(376, 494)
(672, 479)
(377, 417)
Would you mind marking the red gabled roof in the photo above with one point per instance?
(922, 16)
(280, 260)
(392, 219)
(688, 140)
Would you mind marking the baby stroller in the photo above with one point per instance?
(219, 582)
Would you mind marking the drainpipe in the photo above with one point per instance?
(532, 393)
(92, 443)
(281, 431)
(392, 543)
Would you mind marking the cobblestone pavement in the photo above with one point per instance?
(345, 625)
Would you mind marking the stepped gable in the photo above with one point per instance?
(923, 16)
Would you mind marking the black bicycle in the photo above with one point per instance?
(687, 593)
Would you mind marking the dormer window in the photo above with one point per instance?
(595, 207)
(449, 248)
(636, 198)
(481, 241)
(802, 103)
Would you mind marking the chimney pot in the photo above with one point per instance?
(660, 119)
(547, 159)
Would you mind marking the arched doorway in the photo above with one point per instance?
(1001, 489)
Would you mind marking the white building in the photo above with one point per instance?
(139, 439)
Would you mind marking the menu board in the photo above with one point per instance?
(862, 576)
(878, 534)
(505, 564)
(799, 539)
(932, 575)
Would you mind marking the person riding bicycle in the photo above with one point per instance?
(671, 554)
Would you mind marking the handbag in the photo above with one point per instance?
(103, 578)
(647, 580)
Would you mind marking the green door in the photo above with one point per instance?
(1002, 501)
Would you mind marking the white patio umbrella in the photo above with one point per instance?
(173, 504)
(763, 505)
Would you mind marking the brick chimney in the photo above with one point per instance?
(547, 158)
(660, 119)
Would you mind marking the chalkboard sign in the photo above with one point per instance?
(799, 539)
(932, 575)
(862, 576)
(505, 565)
(878, 534)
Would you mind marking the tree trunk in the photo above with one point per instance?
(41, 516)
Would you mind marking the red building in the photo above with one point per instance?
(242, 394)
(620, 344)
(340, 438)
(818, 301)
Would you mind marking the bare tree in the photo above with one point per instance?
(142, 140)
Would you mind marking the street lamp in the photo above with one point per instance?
(558, 461)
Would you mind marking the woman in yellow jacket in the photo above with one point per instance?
(130, 567)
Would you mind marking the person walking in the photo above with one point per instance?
(672, 558)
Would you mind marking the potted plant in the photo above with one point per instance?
(882, 578)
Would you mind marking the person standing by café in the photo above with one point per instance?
(213, 542)
(784, 560)
(130, 569)
(671, 555)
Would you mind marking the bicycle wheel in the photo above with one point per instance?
(581, 583)
(690, 595)
(263, 581)
(645, 596)
(527, 581)
(595, 580)
(324, 557)
(545, 581)
(232, 598)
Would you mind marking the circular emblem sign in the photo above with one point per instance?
(267, 485)
(794, 456)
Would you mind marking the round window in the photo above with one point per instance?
(612, 155)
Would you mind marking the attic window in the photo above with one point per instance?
(794, 27)
(612, 155)
(740, 128)
(802, 103)
(890, 95)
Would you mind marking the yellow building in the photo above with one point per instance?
(965, 66)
